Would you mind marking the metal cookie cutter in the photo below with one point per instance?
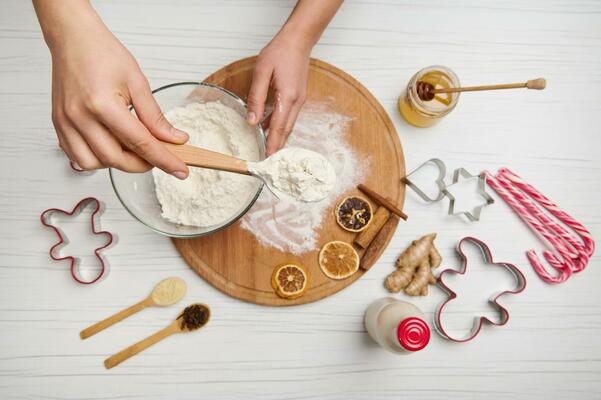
(479, 321)
(62, 240)
(442, 171)
(475, 214)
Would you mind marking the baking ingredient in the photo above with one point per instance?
(168, 291)
(414, 268)
(354, 213)
(378, 244)
(295, 173)
(383, 201)
(209, 197)
(289, 281)
(365, 237)
(194, 317)
(416, 108)
(397, 326)
(292, 227)
(338, 260)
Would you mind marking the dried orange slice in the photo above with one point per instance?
(289, 281)
(338, 260)
(354, 214)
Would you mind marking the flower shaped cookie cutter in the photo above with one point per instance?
(481, 320)
(45, 219)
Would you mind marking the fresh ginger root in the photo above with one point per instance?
(414, 268)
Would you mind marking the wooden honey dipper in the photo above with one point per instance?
(427, 92)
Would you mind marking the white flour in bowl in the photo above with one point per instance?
(293, 226)
(208, 197)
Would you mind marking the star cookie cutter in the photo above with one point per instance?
(479, 321)
(442, 171)
(474, 215)
(44, 218)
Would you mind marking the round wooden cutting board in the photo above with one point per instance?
(233, 261)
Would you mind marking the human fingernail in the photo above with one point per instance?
(76, 166)
(179, 134)
(180, 175)
(250, 117)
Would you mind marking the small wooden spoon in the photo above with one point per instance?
(180, 325)
(167, 292)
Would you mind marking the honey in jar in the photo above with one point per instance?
(423, 109)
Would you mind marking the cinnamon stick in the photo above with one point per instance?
(381, 200)
(364, 238)
(378, 245)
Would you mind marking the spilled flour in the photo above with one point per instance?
(292, 226)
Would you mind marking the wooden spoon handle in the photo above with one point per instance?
(199, 157)
(113, 319)
(537, 84)
(134, 349)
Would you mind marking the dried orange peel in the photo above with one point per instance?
(289, 281)
(338, 260)
(354, 213)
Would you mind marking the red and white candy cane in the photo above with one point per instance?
(522, 198)
(589, 244)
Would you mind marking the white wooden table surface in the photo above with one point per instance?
(551, 347)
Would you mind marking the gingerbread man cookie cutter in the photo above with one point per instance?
(45, 219)
(481, 320)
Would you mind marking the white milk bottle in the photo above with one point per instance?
(397, 326)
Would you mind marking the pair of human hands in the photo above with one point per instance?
(95, 80)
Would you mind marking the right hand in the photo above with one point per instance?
(94, 81)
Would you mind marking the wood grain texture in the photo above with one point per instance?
(199, 157)
(548, 350)
(234, 261)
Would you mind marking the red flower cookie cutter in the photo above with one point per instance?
(78, 208)
(479, 321)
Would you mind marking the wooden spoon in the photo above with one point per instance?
(167, 292)
(183, 323)
(200, 157)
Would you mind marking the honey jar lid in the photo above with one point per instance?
(413, 333)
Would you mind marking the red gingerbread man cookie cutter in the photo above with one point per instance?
(481, 320)
(44, 218)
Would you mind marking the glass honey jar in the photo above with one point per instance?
(422, 109)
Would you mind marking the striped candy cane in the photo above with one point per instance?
(589, 244)
(521, 197)
(546, 220)
(563, 269)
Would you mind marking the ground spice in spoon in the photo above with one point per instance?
(193, 317)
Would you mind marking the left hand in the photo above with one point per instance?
(284, 65)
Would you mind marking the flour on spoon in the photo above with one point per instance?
(294, 173)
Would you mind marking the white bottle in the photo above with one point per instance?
(397, 326)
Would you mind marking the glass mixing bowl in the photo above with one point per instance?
(136, 191)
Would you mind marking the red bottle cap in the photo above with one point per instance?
(413, 333)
